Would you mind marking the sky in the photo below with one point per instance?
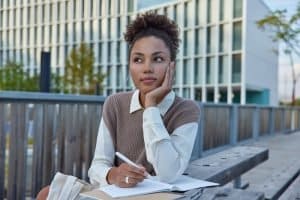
(284, 73)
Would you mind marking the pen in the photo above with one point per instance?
(128, 161)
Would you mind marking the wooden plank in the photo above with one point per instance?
(293, 191)
(37, 156)
(12, 165)
(47, 143)
(86, 142)
(276, 184)
(69, 141)
(22, 131)
(223, 193)
(78, 144)
(227, 165)
(2, 149)
(61, 130)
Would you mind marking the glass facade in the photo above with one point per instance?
(237, 36)
(211, 35)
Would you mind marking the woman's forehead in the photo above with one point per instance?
(149, 45)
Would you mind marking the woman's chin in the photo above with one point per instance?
(146, 90)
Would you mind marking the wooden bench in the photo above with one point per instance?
(293, 191)
(224, 167)
(276, 184)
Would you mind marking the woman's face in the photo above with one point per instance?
(149, 60)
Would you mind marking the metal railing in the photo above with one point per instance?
(41, 134)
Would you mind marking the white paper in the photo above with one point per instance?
(145, 187)
(183, 183)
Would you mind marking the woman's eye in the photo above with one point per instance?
(137, 60)
(158, 59)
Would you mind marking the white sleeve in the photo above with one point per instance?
(103, 158)
(169, 154)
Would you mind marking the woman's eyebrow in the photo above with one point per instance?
(138, 53)
(159, 52)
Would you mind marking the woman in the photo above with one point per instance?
(151, 125)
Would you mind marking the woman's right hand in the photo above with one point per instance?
(117, 175)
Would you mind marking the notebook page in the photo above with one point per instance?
(145, 187)
(184, 183)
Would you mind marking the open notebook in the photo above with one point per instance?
(183, 183)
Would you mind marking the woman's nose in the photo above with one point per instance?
(148, 67)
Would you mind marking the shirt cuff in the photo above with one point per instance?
(153, 122)
(100, 178)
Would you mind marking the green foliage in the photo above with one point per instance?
(14, 77)
(286, 30)
(80, 76)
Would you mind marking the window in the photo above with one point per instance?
(223, 65)
(236, 68)
(108, 52)
(186, 14)
(210, 64)
(237, 8)
(43, 13)
(197, 71)
(208, 11)
(91, 8)
(221, 38)
(186, 92)
(197, 41)
(119, 76)
(185, 43)
(185, 72)
(74, 32)
(222, 8)
(100, 8)
(118, 51)
(91, 30)
(197, 10)
(237, 36)
(208, 40)
(100, 52)
(130, 5)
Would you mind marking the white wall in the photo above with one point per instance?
(261, 62)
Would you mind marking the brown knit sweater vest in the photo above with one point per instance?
(126, 128)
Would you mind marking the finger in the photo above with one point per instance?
(167, 75)
(135, 175)
(136, 169)
(130, 181)
(171, 76)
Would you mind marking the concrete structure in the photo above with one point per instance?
(223, 56)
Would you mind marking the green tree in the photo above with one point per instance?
(286, 31)
(80, 76)
(14, 77)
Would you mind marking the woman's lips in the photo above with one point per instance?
(148, 80)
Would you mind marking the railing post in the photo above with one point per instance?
(255, 130)
(271, 121)
(234, 125)
(293, 118)
(2, 149)
(198, 145)
(283, 120)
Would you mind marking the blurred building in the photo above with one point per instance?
(223, 56)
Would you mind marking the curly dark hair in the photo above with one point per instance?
(152, 24)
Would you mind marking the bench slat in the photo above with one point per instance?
(293, 191)
(276, 184)
(227, 165)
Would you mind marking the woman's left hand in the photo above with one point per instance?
(153, 97)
